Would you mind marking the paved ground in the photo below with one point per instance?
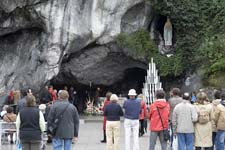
(89, 139)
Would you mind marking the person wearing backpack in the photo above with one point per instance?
(203, 127)
(220, 123)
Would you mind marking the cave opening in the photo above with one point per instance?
(132, 78)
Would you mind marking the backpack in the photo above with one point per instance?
(203, 115)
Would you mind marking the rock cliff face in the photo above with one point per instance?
(71, 41)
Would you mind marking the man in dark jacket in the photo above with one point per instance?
(68, 124)
(46, 97)
(22, 102)
(175, 99)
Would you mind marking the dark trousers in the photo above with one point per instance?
(142, 125)
(153, 139)
(171, 136)
(213, 139)
(104, 136)
(206, 148)
(30, 145)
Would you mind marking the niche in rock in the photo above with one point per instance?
(157, 29)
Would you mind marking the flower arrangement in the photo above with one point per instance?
(91, 109)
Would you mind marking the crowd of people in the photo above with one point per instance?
(49, 116)
(193, 121)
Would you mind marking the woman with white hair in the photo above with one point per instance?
(113, 111)
(203, 127)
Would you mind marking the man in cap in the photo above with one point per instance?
(68, 124)
(132, 108)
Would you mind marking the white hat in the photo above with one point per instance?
(42, 107)
(132, 92)
(114, 97)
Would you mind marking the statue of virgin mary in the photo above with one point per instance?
(168, 33)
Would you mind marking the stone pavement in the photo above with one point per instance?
(89, 138)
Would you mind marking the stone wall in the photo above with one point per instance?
(72, 40)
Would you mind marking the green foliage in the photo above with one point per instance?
(216, 80)
(212, 53)
(194, 22)
(140, 44)
(196, 25)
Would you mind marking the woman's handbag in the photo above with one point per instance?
(166, 132)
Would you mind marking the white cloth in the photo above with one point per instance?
(131, 130)
(175, 143)
(3, 113)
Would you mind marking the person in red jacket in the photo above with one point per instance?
(10, 98)
(106, 102)
(161, 106)
(52, 92)
(142, 115)
(54, 95)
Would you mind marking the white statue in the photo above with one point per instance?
(168, 33)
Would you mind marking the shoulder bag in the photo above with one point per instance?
(166, 133)
(54, 125)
